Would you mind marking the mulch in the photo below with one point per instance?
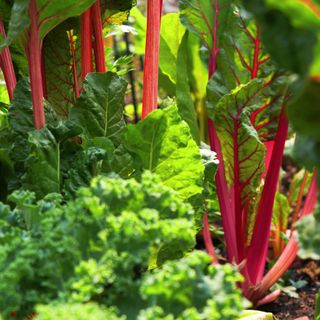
(288, 308)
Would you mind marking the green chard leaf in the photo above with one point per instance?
(162, 143)
(290, 46)
(200, 17)
(243, 58)
(62, 64)
(83, 248)
(43, 165)
(242, 150)
(281, 211)
(99, 110)
(51, 13)
(20, 117)
(172, 32)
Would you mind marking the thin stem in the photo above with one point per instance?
(207, 239)
(132, 81)
(74, 65)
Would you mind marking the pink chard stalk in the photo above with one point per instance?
(86, 44)
(151, 64)
(35, 66)
(234, 202)
(6, 65)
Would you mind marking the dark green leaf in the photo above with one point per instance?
(99, 110)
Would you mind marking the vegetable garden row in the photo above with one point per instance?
(162, 193)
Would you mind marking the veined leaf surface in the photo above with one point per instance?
(164, 145)
(243, 152)
(99, 110)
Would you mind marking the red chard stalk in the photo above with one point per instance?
(99, 54)
(151, 65)
(86, 44)
(35, 66)
(248, 128)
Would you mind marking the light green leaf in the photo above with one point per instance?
(281, 211)
(86, 311)
(164, 145)
(172, 32)
(184, 99)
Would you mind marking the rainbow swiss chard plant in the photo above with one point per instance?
(247, 98)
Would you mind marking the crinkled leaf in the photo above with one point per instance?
(99, 110)
(86, 165)
(43, 165)
(87, 311)
(164, 145)
(192, 283)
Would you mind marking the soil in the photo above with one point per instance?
(288, 308)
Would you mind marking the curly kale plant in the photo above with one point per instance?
(191, 289)
(96, 247)
(87, 311)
